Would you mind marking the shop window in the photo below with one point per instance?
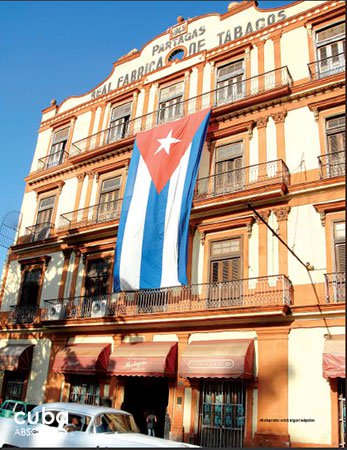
(84, 390)
(222, 412)
(171, 103)
(225, 273)
(56, 153)
(14, 385)
(341, 388)
(230, 82)
(228, 168)
(120, 122)
(330, 46)
(336, 141)
(44, 219)
(108, 206)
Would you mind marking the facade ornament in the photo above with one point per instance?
(280, 116)
(322, 218)
(202, 237)
(250, 131)
(316, 115)
(282, 213)
(262, 122)
(191, 229)
(249, 229)
(265, 214)
(80, 177)
(67, 252)
(53, 102)
(209, 145)
(309, 29)
(91, 174)
(212, 66)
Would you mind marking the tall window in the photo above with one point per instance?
(108, 207)
(330, 44)
(230, 84)
(120, 121)
(30, 288)
(56, 154)
(228, 168)
(340, 246)
(44, 218)
(225, 273)
(170, 103)
(336, 141)
(97, 277)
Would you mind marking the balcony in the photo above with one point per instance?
(238, 93)
(100, 213)
(332, 165)
(37, 232)
(52, 160)
(253, 293)
(256, 176)
(326, 67)
(23, 314)
(335, 287)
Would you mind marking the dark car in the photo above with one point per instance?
(10, 407)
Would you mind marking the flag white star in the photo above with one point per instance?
(166, 143)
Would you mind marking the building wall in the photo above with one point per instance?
(12, 287)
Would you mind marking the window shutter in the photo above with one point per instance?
(214, 272)
(340, 254)
(235, 268)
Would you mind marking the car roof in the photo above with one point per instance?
(91, 410)
(19, 401)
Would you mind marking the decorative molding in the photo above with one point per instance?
(67, 252)
(50, 187)
(262, 122)
(202, 237)
(329, 207)
(282, 213)
(38, 260)
(80, 177)
(280, 116)
(249, 227)
(265, 214)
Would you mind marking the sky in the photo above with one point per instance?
(51, 49)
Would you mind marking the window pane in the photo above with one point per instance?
(229, 151)
(340, 228)
(230, 69)
(61, 135)
(330, 32)
(121, 111)
(46, 203)
(171, 91)
(111, 184)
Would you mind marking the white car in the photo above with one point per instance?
(75, 425)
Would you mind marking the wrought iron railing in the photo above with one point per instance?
(335, 287)
(220, 96)
(23, 314)
(332, 165)
(36, 232)
(327, 66)
(84, 398)
(100, 213)
(275, 290)
(240, 179)
(52, 160)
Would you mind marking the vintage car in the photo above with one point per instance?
(9, 407)
(75, 425)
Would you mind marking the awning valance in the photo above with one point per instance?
(151, 359)
(86, 359)
(218, 359)
(16, 357)
(334, 359)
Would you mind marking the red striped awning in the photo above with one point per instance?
(16, 357)
(334, 359)
(151, 359)
(86, 359)
(218, 359)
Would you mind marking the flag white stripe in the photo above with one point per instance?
(130, 261)
(169, 276)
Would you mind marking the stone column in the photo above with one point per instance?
(279, 119)
(263, 256)
(282, 219)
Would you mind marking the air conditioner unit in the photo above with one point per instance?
(99, 308)
(54, 312)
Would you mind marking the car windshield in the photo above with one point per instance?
(114, 423)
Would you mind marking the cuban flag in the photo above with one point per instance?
(151, 249)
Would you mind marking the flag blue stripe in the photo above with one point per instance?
(128, 194)
(153, 238)
(188, 192)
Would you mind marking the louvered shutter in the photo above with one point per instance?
(340, 255)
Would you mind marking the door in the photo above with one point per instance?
(222, 413)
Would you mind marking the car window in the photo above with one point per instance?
(9, 406)
(114, 423)
(19, 407)
(47, 420)
(30, 407)
(77, 422)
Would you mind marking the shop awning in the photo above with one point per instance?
(85, 359)
(151, 359)
(218, 359)
(16, 357)
(334, 359)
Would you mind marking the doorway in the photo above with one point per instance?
(145, 394)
